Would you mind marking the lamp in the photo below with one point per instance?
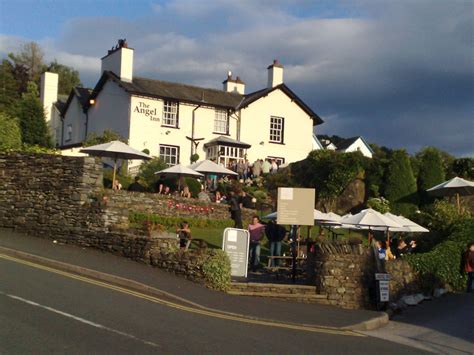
(91, 102)
(262, 143)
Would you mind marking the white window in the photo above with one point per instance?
(68, 132)
(170, 114)
(276, 129)
(278, 160)
(169, 154)
(221, 122)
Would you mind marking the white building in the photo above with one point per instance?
(353, 144)
(174, 121)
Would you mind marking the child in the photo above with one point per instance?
(184, 235)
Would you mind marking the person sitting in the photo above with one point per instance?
(185, 192)
(160, 184)
(184, 235)
(116, 185)
(136, 186)
(404, 249)
(166, 191)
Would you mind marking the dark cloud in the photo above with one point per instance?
(398, 73)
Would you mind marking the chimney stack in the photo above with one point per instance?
(234, 85)
(275, 74)
(119, 61)
(49, 93)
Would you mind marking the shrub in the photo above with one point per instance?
(173, 222)
(147, 172)
(193, 185)
(443, 263)
(381, 204)
(216, 268)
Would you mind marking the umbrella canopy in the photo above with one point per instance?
(407, 224)
(115, 150)
(319, 216)
(452, 187)
(370, 218)
(456, 186)
(209, 167)
(179, 170)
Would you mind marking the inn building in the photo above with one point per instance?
(176, 120)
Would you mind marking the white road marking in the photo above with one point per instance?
(79, 319)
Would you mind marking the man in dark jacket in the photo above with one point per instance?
(235, 207)
(136, 186)
(275, 234)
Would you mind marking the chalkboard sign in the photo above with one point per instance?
(236, 244)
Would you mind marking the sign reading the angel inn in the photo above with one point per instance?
(295, 206)
(146, 110)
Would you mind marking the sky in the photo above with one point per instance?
(399, 73)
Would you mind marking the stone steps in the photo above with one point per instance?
(299, 293)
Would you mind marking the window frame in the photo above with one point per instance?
(281, 130)
(164, 156)
(219, 111)
(170, 103)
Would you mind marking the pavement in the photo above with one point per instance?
(141, 277)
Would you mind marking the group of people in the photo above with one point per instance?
(399, 250)
(258, 168)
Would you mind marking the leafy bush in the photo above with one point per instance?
(147, 172)
(107, 136)
(442, 264)
(381, 204)
(216, 268)
(193, 185)
(10, 133)
(173, 222)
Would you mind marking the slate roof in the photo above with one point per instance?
(197, 95)
(82, 95)
(346, 143)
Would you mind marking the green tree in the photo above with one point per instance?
(463, 167)
(9, 88)
(401, 189)
(68, 77)
(107, 136)
(10, 134)
(34, 130)
(148, 169)
(30, 57)
(328, 172)
(431, 172)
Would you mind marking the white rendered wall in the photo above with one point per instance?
(255, 128)
(75, 117)
(110, 111)
(359, 145)
(120, 63)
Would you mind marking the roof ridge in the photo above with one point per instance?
(187, 85)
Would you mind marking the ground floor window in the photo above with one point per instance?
(278, 160)
(169, 154)
(226, 155)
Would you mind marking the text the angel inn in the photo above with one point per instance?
(175, 121)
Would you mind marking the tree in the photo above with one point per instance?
(34, 130)
(10, 134)
(68, 77)
(401, 189)
(148, 169)
(107, 136)
(431, 172)
(328, 172)
(30, 57)
(9, 88)
(464, 167)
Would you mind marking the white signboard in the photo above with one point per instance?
(384, 286)
(235, 243)
(295, 206)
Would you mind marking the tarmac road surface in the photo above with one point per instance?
(43, 311)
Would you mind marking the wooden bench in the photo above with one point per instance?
(286, 258)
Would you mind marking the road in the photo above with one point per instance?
(43, 311)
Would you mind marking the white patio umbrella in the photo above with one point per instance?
(115, 150)
(209, 167)
(407, 224)
(454, 187)
(370, 219)
(179, 171)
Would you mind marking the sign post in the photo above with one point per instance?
(235, 243)
(383, 281)
(296, 208)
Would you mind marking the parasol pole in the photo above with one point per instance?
(113, 175)
(458, 203)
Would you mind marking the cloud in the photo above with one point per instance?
(398, 73)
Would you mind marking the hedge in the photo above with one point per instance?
(216, 269)
(170, 222)
(443, 263)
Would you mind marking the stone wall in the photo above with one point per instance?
(345, 273)
(404, 280)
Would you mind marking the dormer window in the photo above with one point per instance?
(170, 114)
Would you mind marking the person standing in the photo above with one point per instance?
(468, 261)
(184, 235)
(256, 231)
(274, 166)
(136, 186)
(257, 168)
(266, 166)
(275, 234)
(235, 207)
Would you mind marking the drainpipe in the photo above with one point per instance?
(192, 131)
(62, 131)
(86, 111)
